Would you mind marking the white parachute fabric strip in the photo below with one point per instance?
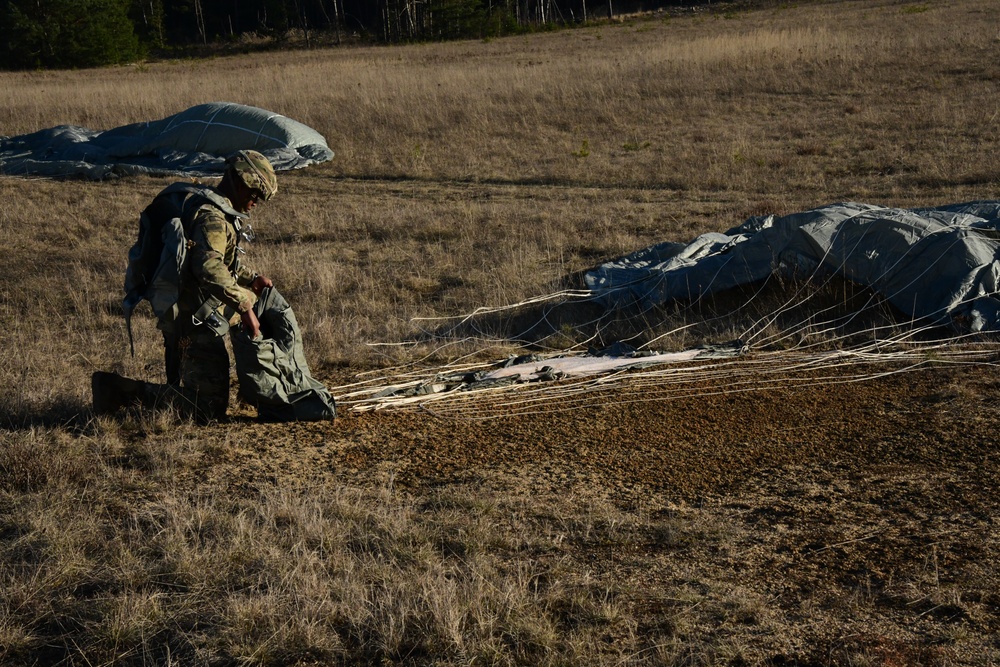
(452, 385)
(942, 264)
(685, 380)
(194, 142)
(578, 366)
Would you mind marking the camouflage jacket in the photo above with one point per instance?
(213, 267)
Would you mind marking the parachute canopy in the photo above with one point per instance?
(942, 263)
(194, 142)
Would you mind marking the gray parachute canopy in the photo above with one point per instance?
(194, 142)
(937, 263)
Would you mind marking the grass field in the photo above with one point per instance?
(844, 525)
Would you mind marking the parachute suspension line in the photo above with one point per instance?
(746, 333)
(773, 317)
(817, 350)
(560, 398)
(489, 310)
(792, 369)
(796, 330)
(837, 271)
(757, 328)
(469, 319)
(874, 297)
(816, 329)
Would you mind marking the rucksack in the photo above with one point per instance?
(156, 260)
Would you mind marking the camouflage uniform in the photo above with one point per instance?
(196, 356)
(199, 354)
(197, 286)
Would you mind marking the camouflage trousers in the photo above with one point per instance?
(197, 365)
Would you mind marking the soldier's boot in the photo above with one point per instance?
(112, 392)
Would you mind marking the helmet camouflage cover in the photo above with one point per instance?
(254, 170)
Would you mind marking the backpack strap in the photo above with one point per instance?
(177, 201)
(197, 195)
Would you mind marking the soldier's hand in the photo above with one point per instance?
(251, 326)
(259, 283)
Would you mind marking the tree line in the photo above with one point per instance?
(86, 33)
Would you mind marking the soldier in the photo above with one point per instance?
(216, 290)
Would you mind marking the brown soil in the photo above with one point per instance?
(730, 443)
(854, 519)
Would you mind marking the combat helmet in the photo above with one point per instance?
(255, 171)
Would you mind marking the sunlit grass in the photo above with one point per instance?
(467, 175)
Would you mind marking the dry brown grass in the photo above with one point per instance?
(468, 174)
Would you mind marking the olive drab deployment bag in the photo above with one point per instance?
(272, 369)
(156, 261)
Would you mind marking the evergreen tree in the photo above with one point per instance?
(66, 33)
(458, 18)
(148, 19)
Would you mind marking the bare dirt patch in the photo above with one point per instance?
(810, 526)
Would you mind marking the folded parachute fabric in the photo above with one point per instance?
(272, 369)
(941, 264)
(194, 142)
